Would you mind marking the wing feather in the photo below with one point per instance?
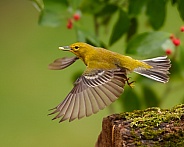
(104, 97)
(82, 106)
(68, 111)
(99, 100)
(93, 101)
(75, 110)
(112, 90)
(62, 109)
(87, 103)
(109, 94)
(62, 63)
(92, 92)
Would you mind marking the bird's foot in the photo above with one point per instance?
(130, 83)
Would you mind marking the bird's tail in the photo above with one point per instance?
(159, 71)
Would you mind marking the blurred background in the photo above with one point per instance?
(28, 89)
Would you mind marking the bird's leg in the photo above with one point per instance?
(130, 83)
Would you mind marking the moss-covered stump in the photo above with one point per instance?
(152, 127)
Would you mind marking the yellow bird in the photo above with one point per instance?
(104, 78)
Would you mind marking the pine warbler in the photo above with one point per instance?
(104, 78)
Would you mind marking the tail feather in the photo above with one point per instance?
(159, 71)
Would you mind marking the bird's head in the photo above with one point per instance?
(80, 49)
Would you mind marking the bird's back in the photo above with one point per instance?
(105, 59)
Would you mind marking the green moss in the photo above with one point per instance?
(151, 125)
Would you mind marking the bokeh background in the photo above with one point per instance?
(28, 89)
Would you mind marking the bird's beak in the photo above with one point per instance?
(65, 48)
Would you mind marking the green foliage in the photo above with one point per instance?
(180, 8)
(120, 27)
(135, 7)
(91, 7)
(130, 100)
(52, 14)
(149, 96)
(132, 28)
(156, 11)
(75, 4)
(147, 44)
(86, 36)
(106, 13)
(121, 19)
(181, 57)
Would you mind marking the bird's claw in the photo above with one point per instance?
(130, 83)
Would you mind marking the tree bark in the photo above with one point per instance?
(151, 127)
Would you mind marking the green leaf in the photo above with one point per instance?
(75, 4)
(80, 36)
(107, 9)
(132, 29)
(135, 7)
(84, 36)
(173, 2)
(91, 6)
(181, 58)
(176, 69)
(181, 66)
(120, 27)
(181, 8)
(106, 13)
(150, 97)
(53, 13)
(147, 44)
(156, 11)
(130, 100)
(38, 4)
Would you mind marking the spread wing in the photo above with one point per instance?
(62, 63)
(92, 92)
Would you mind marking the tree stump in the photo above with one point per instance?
(153, 127)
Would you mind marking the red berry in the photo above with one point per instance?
(69, 24)
(182, 29)
(176, 41)
(172, 36)
(168, 51)
(76, 16)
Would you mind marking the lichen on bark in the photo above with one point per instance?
(150, 127)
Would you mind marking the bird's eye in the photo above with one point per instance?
(76, 47)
